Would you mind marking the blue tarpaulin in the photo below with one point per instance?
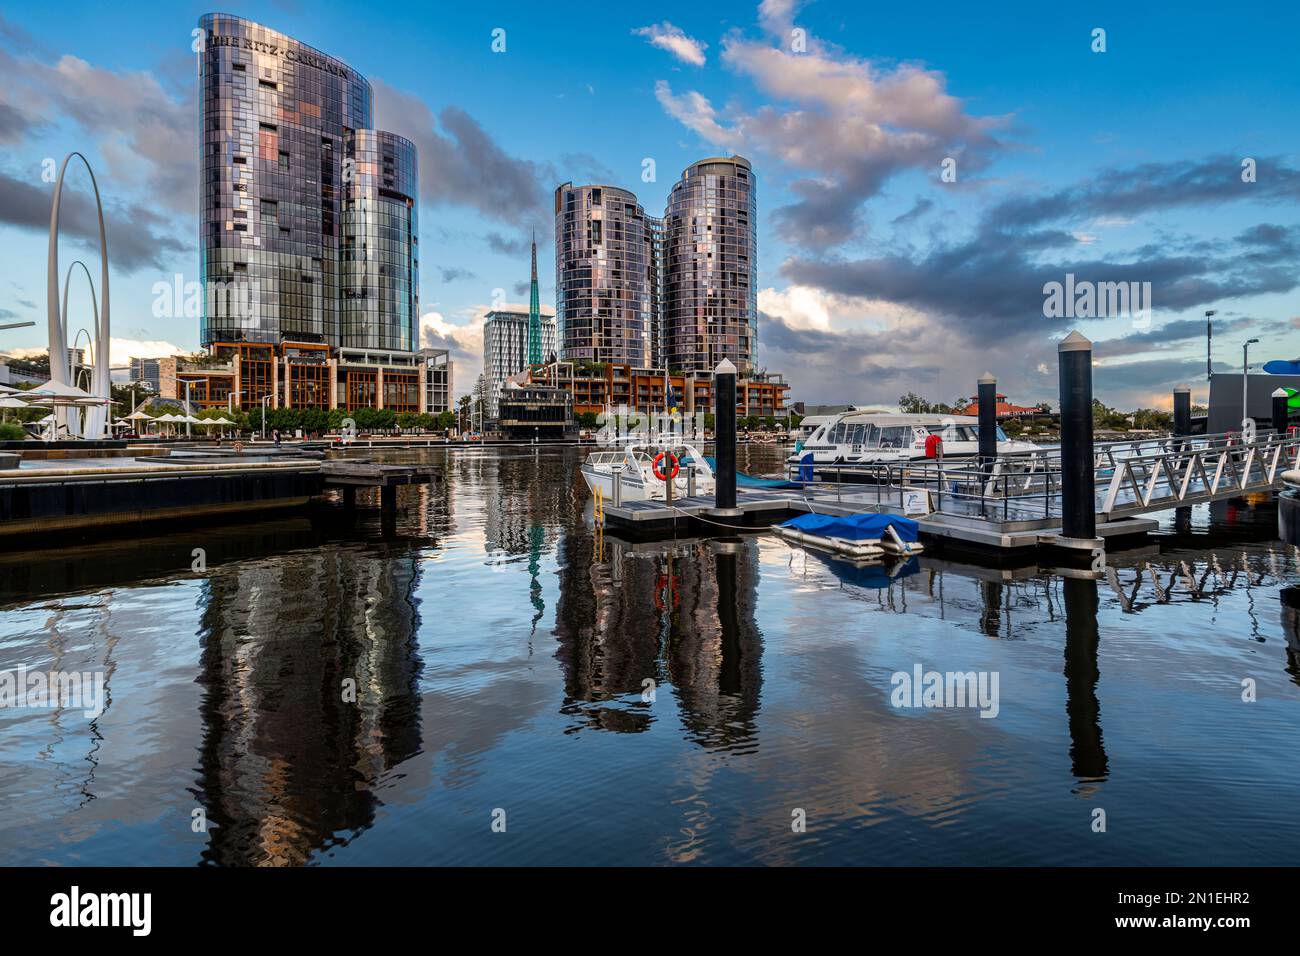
(854, 527)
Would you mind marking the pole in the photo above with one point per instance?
(1245, 367)
(188, 412)
(1182, 411)
(724, 417)
(1279, 397)
(1209, 339)
(1078, 479)
(987, 396)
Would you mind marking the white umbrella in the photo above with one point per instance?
(139, 417)
(59, 390)
(8, 402)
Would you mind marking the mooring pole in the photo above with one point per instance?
(1280, 411)
(1182, 411)
(724, 418)
(987, 396)
(1078, 477)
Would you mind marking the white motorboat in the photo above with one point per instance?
(857, 438)
(634, 464)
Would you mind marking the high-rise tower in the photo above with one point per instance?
(604, 283)
(710, 293)
(301, 200)
(534, 315)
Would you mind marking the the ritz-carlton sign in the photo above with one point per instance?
(289, 53)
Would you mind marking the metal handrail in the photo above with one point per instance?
(1144, 465)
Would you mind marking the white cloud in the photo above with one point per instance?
(665, 36)
(694, 111)
(121, 351)
(808, 307)
(848, 123)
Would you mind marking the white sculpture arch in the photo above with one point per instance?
(96, 419)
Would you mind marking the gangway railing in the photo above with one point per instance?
(1131, 477)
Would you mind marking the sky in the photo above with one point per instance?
(924, 171)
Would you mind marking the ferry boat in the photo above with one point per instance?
(635, 463)
(855, 438)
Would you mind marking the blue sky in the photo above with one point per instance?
(876, 276)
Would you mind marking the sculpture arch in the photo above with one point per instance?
(60, 371)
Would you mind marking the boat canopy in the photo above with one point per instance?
(868, 527)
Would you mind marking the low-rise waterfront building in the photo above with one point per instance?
(308, 375)
(534, 411)
(594, 387)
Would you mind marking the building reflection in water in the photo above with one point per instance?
(678, 613)
(288, 768)
(1290, 598)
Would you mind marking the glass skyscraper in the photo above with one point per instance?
(680, 292)
(710, 299)
(604, 282)
(302, 203)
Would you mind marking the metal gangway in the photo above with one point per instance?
(1131, 478)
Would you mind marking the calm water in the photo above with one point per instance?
(499, 649)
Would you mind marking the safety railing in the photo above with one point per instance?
(1130, 477)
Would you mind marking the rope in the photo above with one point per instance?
(734, 527)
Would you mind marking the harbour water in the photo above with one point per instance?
(526, 690)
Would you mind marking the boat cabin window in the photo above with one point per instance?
(896, 436)
(951, 432)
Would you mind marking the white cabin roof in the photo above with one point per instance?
(898, 418)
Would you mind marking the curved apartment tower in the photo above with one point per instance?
(604, 276)
(306, 212)
(379, 281)
(710, 290)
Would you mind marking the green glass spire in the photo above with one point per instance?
(534, 315)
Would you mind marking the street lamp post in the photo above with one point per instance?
(1245, 367)
(188, 411)
(1209, 335)
(265, 399)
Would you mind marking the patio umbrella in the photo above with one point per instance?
(59, 390)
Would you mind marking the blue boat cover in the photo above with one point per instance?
(854, 527)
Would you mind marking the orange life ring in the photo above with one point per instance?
(671, 458)
(239, 448)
